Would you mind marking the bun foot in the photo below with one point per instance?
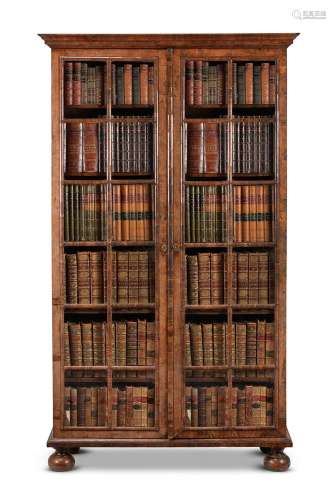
(264, 450)
(61, 461)
(276, 460)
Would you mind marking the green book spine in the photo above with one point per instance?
(71, 213)
(197, 213)
(187, 211)
(192, 214)
(203, 221)
(82, 213)
(66, 213)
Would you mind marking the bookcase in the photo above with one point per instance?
(169, 242)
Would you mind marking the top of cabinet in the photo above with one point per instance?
(165, 41)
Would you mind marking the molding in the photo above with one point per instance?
(164, 41)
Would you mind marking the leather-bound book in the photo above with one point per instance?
(83, 270)
(121, 341)
(121, 420)
(221, 84)
(195, 142)
(241, 95)
(233, 344)
(253, 278)
(256, 83)
(221, 406)
(66, 342)
(74, 148)
(132, 343)
(150, 343)
(135, 84)
(198, 97)
(189, 79)
(150, 406)
(128, 83)
(187, 396)
(96, 277)
(132, 205)
(151, 92)
(76, 83)
(216, 278)
(113, 345)
(144, 83)
(120, 84)
(68, 77)
(205, 82)
(141, 342)
(144, 406)
(234, 405)
(261, 342)
(136, 418)
(249, 83)
(238, 226)
(269, 406)
(197, 351)
(87, 346)
(114, 278)
(133, 277)
(272, 84)
(192, 279)
(218, 339)
(263, 278)
(242, 278)
(251, 343)
(245, 212)
(147, 211)
(102, 399)
(208, 406)
(253, 215)
(268, 212)
(221, 210)
(71, 279)
(66, 214)
(124, 216)
(269, 344)
(260, 223)
(194, 407)
(117, 216)
(130, 413)
(122, 266)
(234, 270)
(114, 407)
(241, 406)
(241, 344)
(90, 147)
(202, 407)
(249, 405)
(211, 148)
(84, 80)
(91, 80)
(73, 406)
(87, 406)
(99, 343)
(187, 349)
(94, 406)
(262, 399)
(204, 278)
(100, 84)
(81, 394)
(264, 78)
(207, 344)
(144, 281)
(67, 406)
(235, 83)
(212, 84)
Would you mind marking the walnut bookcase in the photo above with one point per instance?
(178, 168)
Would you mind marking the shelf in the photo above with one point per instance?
(85, 244)
(85, 181)
(85, 368)
(133, 368)
(84, 106)
(252, 307)
(204, 367)
(135, 243)
(136, 307)
(206, 245)
(206, 307)
(85, 307)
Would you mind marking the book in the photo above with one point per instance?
(132, 146)
(205, 82)
(253, 82)
(84, 83)
(253, 213)
(85, 406)
(206, 278)
(133, 406)
(85, 276)
(253, 277)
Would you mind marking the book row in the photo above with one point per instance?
(206, 209)
(132, 83)
(132, 212)
(254, 83)
(205, 82)
(86, 276)
(85, 148)
(220, 406)
(132, 147)
(205, 344)
(207, 148)
(83, 83)
(253, 213)
(85, 406)
(85, 211)
(133, 406)
(252, 146)
(252, 278)
(85, 344)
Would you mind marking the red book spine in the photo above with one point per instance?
(76, 83)
(68, 76)
(189, 78)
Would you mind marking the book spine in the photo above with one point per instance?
(198, 97)
(204, 278)
(151, 91)
(249, 83)
(122, 277)
(68, 83)
(264, 77)
(128, 84)
(144, 83)
(189, 69)
(76, 83)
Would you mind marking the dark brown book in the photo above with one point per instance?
(66, 341)
(83, 270)
(269, 344)
(73, 406)
(253, 214)
(249, 83)
(245, 209)
(238, 226)
(192, 279)
(68, 79)
(76, 83)
(204, 282)
(144, 278)
(241, 406)
(263, 279)
(150, 407)
(74, 148)
(216, 278)
(195, 161)
(251, 343)
(102, 400)
(87, 345)
(202, 413)
(151, 92)
(150, 343)
(96, 277)
(121, 336)
(211, 148)
(187, 350)
(242, 278)
(122, 277)
(240, 344)
(133, 277)
(114, 407)
(194, 406)
(198, 98)
(272, 84)
(207, 344)
(189, 79)
(197, 352)
(90, 147)
(141, 343)
(67, 406)
(264, 79)
(121, 407)
(253, 278)
(144, 83)
(261, 342)
(128, 84)
(99, 343)
(132, 343)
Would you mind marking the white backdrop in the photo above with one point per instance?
(25, 346)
